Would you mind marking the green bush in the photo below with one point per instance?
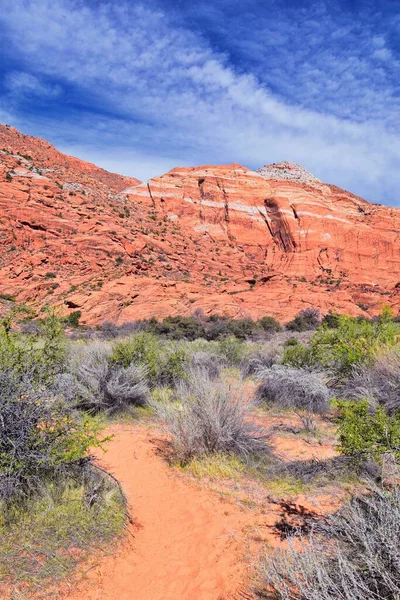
(242, 328)
(164, 362)
(331, 320)
(8, 297)
(233, 349)
(41, 356)
(291, 342)
(353, 342)
(73, 318)
(299, 356)
(178, 328)
(40, 437)
(37, 538)
(305, 320)
(269, 324)
(363, 434)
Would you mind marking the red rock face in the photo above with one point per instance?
(224, 239)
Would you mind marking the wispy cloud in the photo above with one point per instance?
(20, 84)
(140, 90)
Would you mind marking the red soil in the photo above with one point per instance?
(188, 544)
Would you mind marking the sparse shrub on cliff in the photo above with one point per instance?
(73, 318)
(306, 319)
(212, 416)
(352, 555)
(7, 297)
(293, 388)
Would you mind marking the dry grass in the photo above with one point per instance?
(47, 539)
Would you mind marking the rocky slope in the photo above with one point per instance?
(224, 239)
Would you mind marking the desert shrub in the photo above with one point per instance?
(354, 342)
(291, 342)
(84, 514)
(306, 319)
(73, 318)
(8, 297)
(216, 328)
(212, 416)
(242, 328)
(260, 359)
(378, 382)
(208, 362)
(178, 328)
(142, 348)
(42, 356)
(109, 329)
(95, 382)
(232, 349)
(364, 434)
(269, 325)
(164, 362)
(331, 320)
(30, 327)
(299, 356)
(125, 387)
(353, 555)
(293, 388)
(40, 437)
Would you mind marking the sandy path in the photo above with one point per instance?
(188, 544)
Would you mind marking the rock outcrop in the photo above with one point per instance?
(221, 238)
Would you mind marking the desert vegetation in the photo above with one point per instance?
(221, 391)
(52, 496)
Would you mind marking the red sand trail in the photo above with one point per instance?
(187, 543)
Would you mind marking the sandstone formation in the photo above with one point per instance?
(224, 239)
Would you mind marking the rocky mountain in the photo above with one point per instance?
(221, 238)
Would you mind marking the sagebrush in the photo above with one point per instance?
(353, 555)
(212, 416)
(288, 387)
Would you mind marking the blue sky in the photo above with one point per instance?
(140, 88)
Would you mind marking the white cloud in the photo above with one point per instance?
(157, 94)
(20, 83)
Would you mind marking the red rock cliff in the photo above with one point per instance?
(224, 239)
